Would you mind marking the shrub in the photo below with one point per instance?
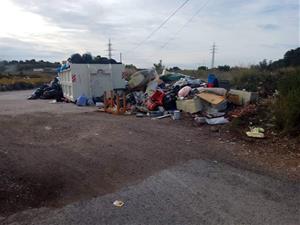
(287, 106)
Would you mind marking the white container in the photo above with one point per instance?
(176, 115)
(91, 80)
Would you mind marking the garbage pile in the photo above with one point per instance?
(159, 96)
(48, 91)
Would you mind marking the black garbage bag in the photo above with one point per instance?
(52, 94)
(39, 92)
(130, 99)
(52, 91)
(169, 101)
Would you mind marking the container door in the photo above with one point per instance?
(100, 80)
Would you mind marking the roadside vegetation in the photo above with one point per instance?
(17, 82)
(28, 74)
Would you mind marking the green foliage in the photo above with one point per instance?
(87, 58)
(225, 68)
(287, 106)
(159, 67)
(76, 58)
(8, 83)
(292, 57)
(202, 68)
(131, 66)
(26, 67)
(174, 69)
(255, 80)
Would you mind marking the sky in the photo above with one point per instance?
(245, 32)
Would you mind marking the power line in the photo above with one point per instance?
(161, 25)
(184, 25)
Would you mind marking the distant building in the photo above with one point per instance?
(38, 70)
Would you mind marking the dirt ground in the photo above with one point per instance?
(54, 154)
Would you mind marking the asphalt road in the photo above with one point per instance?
(84, 161)
(198, 192)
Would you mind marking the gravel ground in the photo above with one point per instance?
(56, 157)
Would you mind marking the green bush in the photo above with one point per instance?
(287, 105)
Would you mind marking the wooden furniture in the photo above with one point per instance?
(115, 101)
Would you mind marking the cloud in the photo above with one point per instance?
(62, 27)
(11, 49)
(280, 6)
(269, 27)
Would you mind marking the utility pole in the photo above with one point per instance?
(213, 52)
(120, 57)
(109, 49)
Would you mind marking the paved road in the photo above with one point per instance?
(15, 103)
(198, 192)
(163, 176)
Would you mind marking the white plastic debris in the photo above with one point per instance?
(215, 121)
(118, 203)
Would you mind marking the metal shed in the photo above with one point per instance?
(91, 80)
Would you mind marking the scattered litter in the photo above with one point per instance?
(200, 120)
(243, 111)
(216, 121)
(184, 91)
(48, 128)
(155, 113)
(118, 203)
(256, 132)
(100, 105)
(161, 117)
(81, 101)
(140, 115)
(176, 115)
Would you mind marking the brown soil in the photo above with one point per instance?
(49, 159)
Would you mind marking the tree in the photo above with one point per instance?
(224, 68)
(263, 65)
(76, 58)
(97, 59)
(202, 68)
(292, 57)
(131, 66)
(87, 58)
(175, 69)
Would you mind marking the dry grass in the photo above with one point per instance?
(8, 83)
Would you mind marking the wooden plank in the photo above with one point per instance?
(211, 98)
